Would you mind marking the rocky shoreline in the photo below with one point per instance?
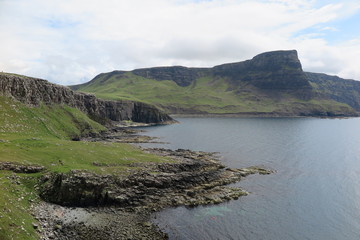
(81, 204)
(58, 222)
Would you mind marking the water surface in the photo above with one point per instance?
(314, 194)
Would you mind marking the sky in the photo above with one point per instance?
(71, 41)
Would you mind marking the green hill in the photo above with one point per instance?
(270, 84)
(40, 137)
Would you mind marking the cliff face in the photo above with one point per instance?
(278, 70)
(32, 91)
(339, 89)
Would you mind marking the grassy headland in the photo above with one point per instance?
(207, 95)
(269, 84)
(42, 136)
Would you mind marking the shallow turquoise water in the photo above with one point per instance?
(314, 194)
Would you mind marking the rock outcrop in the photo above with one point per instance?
(341, 90)
(278, 70)
(196, 178)
(33, 91)
(20, 168)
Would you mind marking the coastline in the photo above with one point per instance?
(258, 115)
(189, 179)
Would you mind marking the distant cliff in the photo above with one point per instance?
(33, 91)
(269, 84)
(271, 70)
(339, 89)
(277, 70)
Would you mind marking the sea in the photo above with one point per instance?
(313, 194)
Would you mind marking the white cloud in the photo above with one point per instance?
(70, 41)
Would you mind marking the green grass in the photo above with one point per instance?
(58, 121)
(59, 155)
(15, 219)
(41, 136)
(206, 94)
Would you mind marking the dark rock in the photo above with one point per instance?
(21, 168)
(278, 70)
(35, 225)
(194, 179)
(76, 138)
(341, 90)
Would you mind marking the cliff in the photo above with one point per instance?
(278, 70)
(339, 89)
(33, 91)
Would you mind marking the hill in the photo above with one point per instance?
(34, 92)
(270, 84)
(38, 121)
(57, 185)
(36, 142)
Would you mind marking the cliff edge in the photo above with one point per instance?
(34, 91)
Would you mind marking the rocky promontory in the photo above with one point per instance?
(79, 204)
(189, 179)
(193, 179)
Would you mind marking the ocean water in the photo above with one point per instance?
(314, 194)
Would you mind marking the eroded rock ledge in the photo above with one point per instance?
(20, 168)
(194, 178)
(79, 204)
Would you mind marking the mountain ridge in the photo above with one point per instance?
(272, 83)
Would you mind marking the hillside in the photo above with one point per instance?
(37, 140)
(339, 89)
(38, 123)
(270, 84)
(55, 184)
(34, 92)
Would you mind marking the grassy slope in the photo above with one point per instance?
(204, 95)
(53, 121)
(41, 136)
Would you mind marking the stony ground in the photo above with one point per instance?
(109, 207)
(64, 223)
